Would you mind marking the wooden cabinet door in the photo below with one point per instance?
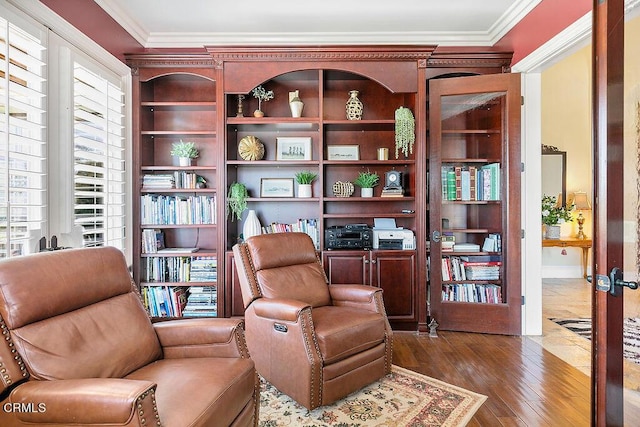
(474, 129)
(395, 273)
(347, 267)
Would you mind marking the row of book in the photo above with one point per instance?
(304, 225)
(181, 301)
(165, 301)
(467, 268)
(180, 269)
(472, 292)
(177, 179)
(470, 183)
(177, 210)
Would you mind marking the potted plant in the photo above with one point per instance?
(553, 215)
(261, 94)
(366, 181)
(304, 180)
(405, 131)
(237, 200)
(185, 152)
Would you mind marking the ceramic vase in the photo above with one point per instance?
(184, 161)
(354, 106)
(252, 226)
(304, 191)
(295, 104)
(552, 231)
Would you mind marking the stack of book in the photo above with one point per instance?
(202, 302)
(203, 269)
(472, 292)
(159, 181)
(392, 192)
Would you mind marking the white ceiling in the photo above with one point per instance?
(194, 23)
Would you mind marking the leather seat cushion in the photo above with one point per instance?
(345, 331)
(199, 392)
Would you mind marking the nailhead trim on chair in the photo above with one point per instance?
(3, 370)
(241, 341)
(316, 383)
(387, 336)
(140, 407)
(246, 258)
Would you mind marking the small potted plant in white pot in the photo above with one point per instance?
(185, 152)
(304, 180)
(366, 181)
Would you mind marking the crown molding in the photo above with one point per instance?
(510, 18)
(137, 31)
(193, 40)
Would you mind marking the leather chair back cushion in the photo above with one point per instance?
(109, 339)
(287, 266)
(86, 321)
(304, 282)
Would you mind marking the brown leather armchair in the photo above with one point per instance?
(313, 341)
(79, 349)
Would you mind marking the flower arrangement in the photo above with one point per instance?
(553, 213)
(261, 94)
(367, 179)
(184, 149)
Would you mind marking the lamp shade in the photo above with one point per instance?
(581, 201)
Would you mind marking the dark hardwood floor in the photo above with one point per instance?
(525, 384)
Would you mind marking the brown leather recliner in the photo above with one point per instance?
(79, 349)
(313, 341)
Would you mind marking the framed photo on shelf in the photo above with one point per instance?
(343, 152)
(276, 187)
(293, 148)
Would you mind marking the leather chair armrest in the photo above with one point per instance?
(213, 337)
(99, 401)
(279, 308)
(360, 296)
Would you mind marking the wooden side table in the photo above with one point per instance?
(585, 244)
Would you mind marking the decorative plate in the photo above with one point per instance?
(343, 189)
(251, 148)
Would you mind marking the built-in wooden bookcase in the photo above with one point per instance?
(461, 122)
(175, 207)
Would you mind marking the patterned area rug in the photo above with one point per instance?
(402, 398)
(582, 327)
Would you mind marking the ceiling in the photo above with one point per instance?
(194, 23)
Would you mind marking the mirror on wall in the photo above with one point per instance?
(554, 173)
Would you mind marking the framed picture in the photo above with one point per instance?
(293, 148)
(343, 152)
(276, 187)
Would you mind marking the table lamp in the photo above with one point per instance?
(581, 203)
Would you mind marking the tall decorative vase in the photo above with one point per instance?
(354, 106)
(552, 231)
(252, 226)
(295, 104)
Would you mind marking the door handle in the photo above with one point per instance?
(435, 236)
(612, 283)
